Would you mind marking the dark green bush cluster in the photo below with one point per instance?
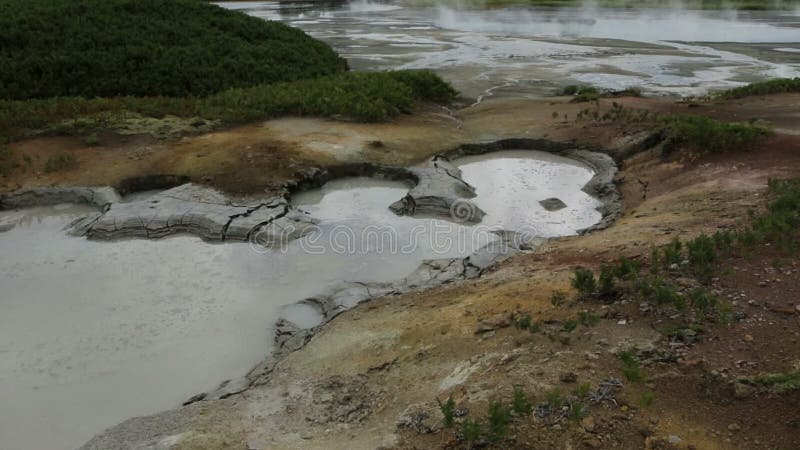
(361, 96)
(526, 322)
(779, 86)
(494, 427)
(708, 135)
(582, 93)
(109, 48)
(624, 276)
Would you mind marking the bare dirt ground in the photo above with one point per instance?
(252, 158)
(372, 377)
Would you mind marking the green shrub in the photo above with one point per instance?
(583, 280)
(702, 302)
(448, 409)
(581, 93)
(582, 391)
(626, 269)
(588, 318)
(709, 135)
(781, 85)
(672, 253)
(655, 289)
(363, 96)
(570, 326)
(63, 161)
(555, 398)
(577, 411)
(607, 286)
(781, 382)
(646, 399)
(471, 431)
(108, 48)
(521, 405)
(702, 254)
(92, 140)
(630, 367)
(523, 322)
(498, 420)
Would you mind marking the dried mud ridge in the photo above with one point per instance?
(438, 191)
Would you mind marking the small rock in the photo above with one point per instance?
(501, 321)
(734, 427)
(568, 377)
(553, 204)
(588, 423)
(674, 440)
(742, 390)
(592, 443)
(748, 338)
(797, 308)
(788, 310)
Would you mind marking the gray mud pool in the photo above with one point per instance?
(94, 332)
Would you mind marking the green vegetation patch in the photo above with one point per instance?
(779, 86)
(781, 382)
(176, 48)
(354, 95)
(705, 134)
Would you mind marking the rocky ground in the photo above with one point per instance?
(371, 377)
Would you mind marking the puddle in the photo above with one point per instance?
(524, 178)
(93, 333)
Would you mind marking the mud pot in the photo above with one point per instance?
(96, 332)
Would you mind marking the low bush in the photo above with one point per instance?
(588, 318)
(471, 431)
(708, 135)
(448, 410)
(781, 382)
(583, 280)
(367, 97)
(570, 326)
(779, 86)
(630, 367)
(498, 420)
(581, 93)
(520, 404)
